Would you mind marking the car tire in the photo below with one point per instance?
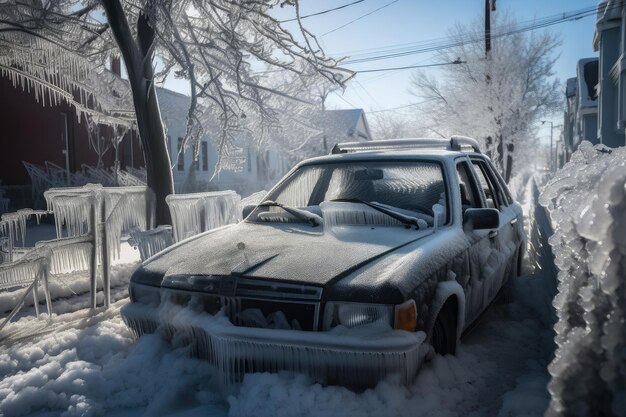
(443, 337)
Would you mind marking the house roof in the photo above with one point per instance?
(342, 123)
(609, 15)
(339, 124)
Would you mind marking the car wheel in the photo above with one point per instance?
(443, 337)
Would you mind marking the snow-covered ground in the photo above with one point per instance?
(89, 364)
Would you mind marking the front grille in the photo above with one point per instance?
(298, 316)
(252, 302)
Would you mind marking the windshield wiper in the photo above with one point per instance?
(407, 220)
(303, 215)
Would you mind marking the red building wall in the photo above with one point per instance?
(34, 133)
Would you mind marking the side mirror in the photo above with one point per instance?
(247, 209)
(480, 219)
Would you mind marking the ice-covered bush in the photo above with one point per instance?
(587, 204)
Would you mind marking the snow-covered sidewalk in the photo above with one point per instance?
(91, 365)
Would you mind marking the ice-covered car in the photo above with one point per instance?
(353, 267)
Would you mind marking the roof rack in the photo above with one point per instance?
(455, 143)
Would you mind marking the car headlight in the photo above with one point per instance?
(355, 314)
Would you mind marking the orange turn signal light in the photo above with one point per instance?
(405, 317)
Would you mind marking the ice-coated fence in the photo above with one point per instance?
(198, 212)
(120, 208)
(13, 228)
(150, 242)
(71, 205)
(67, 254)
(587, 204)
(103, 213)
(92, 218)
(28, 272)
(89, 223)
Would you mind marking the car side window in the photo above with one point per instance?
(506, 195)
(491, 191)
(467, 187)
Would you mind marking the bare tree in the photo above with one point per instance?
(389, 125)
(499, 99)
(217, 45)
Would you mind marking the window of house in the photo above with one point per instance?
(204, 150)
(181, 155)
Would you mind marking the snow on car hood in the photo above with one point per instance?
(291, 252)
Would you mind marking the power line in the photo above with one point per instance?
(574, 15)
(323, 11)
(399, 107)
(359, 18)
(345, 100)
(377, 77)
(457, 62)
(366, 92)
(446, 43)
(439, 64)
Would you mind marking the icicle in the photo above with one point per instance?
(199, 212)
(67, 254)
(343, 356)
(152, 241)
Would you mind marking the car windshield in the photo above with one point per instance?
(410, 188)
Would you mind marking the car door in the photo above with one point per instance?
(483, 246)
(507, 239)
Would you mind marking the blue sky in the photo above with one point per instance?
(409, 21)
(406, 21)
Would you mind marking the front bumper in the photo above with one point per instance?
(354, 357)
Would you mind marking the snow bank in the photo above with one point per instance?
(92, 371)
(587, 203)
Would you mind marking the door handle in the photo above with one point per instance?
(514, 222)
(492, 234)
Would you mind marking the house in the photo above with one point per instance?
(610, 42)
(248, 169)
(581, 115)
(348, 125)
(53, 133)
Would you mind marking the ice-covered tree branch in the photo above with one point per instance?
(497, 100)
(220, 46)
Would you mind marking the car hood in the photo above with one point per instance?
(286, 252)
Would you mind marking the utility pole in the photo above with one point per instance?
(490, 6)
